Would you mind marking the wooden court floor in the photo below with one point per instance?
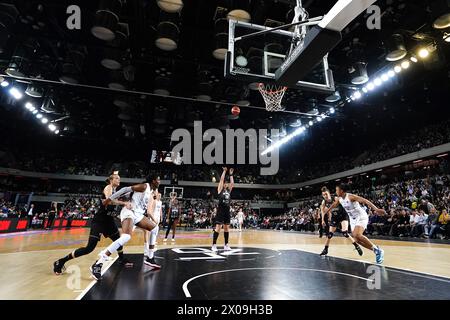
(26, 258)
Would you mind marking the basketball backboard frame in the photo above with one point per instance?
(235, 72)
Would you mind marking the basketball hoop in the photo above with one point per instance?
(272, 95)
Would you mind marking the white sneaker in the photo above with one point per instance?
(226, 247)
(214, 248)
(103, 257)
(173, 239)
(165, 240)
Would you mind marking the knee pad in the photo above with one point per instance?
(330, 235)
(124, 238)
(345, 234)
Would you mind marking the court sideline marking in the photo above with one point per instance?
(93, 282)
(188, 294)
(425, 275)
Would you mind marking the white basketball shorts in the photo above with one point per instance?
(130, 214)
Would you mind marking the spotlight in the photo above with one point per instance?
(370, 86)
(391, 73)
(405, 64)
(310, 123)
(440, 14)
(56, 131)
(4, 83)
(332, 110)
(364, 90)
(396, 48)
(398, 69)
(357, 95)
(319, 119)
(39, 116)
(336, 96)
(423, 53)
(323, 116)
(16, 93)
(377, 82)
(44, 120)
(35, 111)
(360, 74)
(52, 127)
(385, 77)
(413, 59)
(29, 106)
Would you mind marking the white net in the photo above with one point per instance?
(272, 95)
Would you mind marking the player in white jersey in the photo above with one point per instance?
(335, 218)
(154, 212)
(358, 217)
(240, 216)
(132, 214)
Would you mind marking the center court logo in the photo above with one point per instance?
(236, 147)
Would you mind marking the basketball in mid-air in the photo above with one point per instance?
(235, 110)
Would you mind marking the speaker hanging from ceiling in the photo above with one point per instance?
(167, 36)
(170, 6)
(106, 20)
(440, 12)
(220, 39)
(239, 10)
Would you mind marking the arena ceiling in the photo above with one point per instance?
(186, 67)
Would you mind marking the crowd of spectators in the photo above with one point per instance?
(8, 209)
(414, 208)
(84, 165)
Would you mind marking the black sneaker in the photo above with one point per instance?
(324, 252)
(96, 270)
(358, 248)
(125, 262)
(58, 267)
(151, 262)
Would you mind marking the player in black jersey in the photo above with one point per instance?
(223, 209)
(335, 217)
(174, 216)
(102, 224)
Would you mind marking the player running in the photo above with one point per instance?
(102, 224)
(358, 217)
(336, 217)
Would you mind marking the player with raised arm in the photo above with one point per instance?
(223, 209)
(358, 217)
